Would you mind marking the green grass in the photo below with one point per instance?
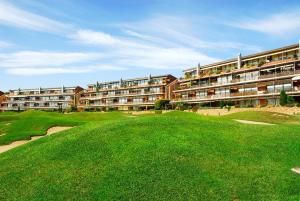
(268, 117)
(174, 156)
(21, 126)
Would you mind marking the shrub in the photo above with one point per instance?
(228, 107)
(195, 108)
(290, 100)
(181, 106)
(111, 109)
(161, 104)
(222, 104)
(73, 109)
(283, 98)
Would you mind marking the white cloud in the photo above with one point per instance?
(4, 44)
(276, 24)
(170, 30)
(162, 42)
(162, 58)
(43, 63)
(13, 16)
(34, 58)
(94, 38)
(43, 71)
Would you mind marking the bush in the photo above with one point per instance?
(161, 104)
(158, 112)
(283, 98)
(73, 108)
(228, 107)
(111, 109)
(286, 100)
(222, 104)
(195, 108)
(181, 106)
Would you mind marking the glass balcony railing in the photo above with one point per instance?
(233, 95)
(234, 81)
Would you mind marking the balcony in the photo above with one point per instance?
(237, 81)
(236, 95)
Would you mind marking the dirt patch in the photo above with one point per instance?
(57, 129)
(50, 131)
(253, 122)
(296, 170)
(146, 112)
(220, 112)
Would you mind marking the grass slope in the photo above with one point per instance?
(20, 126)
(175, 156)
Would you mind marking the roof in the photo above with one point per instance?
(50, 88)
(246, 57)
(132, 79)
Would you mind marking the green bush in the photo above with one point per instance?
(222, 104)
(283, 98)
(161, 104)
(73, 108)
(228, 107)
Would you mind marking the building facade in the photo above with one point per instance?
(130, 94)
(250, 80)
(42, 98)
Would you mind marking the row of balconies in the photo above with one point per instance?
(216, 72)
(32, 107)
(39, 95)
(234, 95)
(120, 103)
(95, 89)
(121, 95)
(235, 81)
(40, 101)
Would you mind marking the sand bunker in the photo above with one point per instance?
(4, 148)
(296, 170)
(253, 122)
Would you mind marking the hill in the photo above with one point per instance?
(174, 156)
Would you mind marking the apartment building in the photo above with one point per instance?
(131, 94)
(59, 98)
(255, 79)
(2, 99)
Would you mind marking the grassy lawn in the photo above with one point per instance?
(174, 156)
(20, 126)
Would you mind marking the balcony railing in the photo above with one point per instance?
(233, 95)
(122, 95)
(122, 103)
(273, 75)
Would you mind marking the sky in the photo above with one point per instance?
(50, 43)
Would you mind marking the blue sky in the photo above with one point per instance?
(51, 43)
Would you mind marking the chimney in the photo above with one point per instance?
(198, 69)
(239, 60)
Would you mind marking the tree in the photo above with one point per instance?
(222, 104)
(161, 104)
(283, 98)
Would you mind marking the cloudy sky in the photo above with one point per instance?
(51, 43)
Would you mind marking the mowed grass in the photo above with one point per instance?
(174, 156)
(21, 126)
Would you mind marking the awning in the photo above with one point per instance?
(296, 78)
